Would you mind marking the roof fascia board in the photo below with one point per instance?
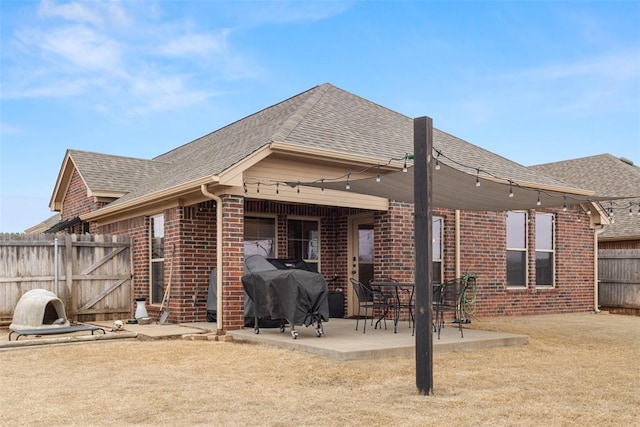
(62, 183)
(233, 175)
(149, 199)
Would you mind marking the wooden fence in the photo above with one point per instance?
(91, 274)
(619, 278)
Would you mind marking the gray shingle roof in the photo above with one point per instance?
(105, 172)
(324, 117)
(607, 175)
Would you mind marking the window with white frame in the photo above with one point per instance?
(436, 249)
(517, 248)
(303, 241)
(156, 256)
(260, 236)
(544, 249)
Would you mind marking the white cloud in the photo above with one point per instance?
(78, 46)
(97, 13)
(195, 44)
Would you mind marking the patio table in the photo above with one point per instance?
(395, 288)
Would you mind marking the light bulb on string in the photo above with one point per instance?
(322, 185)
(564, 204)
(258, 188)
(478, 177)
(404, 166)
(538, 202)
(277, 188)
(437, 161)
(510, 188)
(378, 176)
(348, 186)
(244, 185)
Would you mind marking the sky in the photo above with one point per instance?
(533, 81)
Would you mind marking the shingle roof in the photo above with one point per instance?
(109, 173)
(324, 117)
(606, 175)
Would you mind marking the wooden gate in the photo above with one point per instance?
(619, 278)
(91, 274)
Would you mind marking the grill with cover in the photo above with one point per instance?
(297, 297)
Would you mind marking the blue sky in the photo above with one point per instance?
(533, 81)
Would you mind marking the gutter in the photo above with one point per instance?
(219, 309)
(457, 245)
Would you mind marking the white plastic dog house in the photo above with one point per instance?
(39, 309)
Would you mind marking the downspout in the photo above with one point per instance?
(596, 281)
(218, 200)
(457, 244)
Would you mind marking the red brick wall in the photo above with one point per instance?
(620, 244)
(483, 253)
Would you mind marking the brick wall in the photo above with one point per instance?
(483, 253)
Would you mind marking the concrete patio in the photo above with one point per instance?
(340, 340)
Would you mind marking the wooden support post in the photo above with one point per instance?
(422, 170)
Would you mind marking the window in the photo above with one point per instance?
(516, 248)
(260, 236)
(303, 241)
(436, 249)
(544, 249)
(156, 249)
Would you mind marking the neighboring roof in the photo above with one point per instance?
(44, 225)
(323, 118)
(606, 175)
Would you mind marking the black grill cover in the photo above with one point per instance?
(298, 296)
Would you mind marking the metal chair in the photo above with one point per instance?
(370, 299)
(447, 298)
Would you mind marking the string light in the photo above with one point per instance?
(438, 154)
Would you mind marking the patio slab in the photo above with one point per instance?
(340, 340)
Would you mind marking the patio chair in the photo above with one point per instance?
(371, 299)
(447, 299)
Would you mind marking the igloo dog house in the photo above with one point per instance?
(39, 309)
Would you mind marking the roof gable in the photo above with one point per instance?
(104, 175)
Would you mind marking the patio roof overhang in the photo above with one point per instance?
(454, 188)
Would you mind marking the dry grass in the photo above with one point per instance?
(577, 370)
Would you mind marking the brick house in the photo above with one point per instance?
(275, 183)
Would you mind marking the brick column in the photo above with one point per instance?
(232, 262)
